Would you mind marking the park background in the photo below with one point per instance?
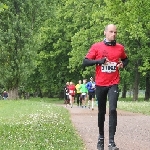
(43, 43)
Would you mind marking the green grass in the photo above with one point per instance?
(36, 124)
(48, 100)
(40, 124)
(135, 106)
(128, 104)
(139, 106)
(131, 99)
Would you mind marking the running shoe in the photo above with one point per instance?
(112, 146)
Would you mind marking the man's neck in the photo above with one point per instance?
(108, 40)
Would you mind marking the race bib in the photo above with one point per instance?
(109, 67)
(93, 85)
(71, 91)
(83, 93)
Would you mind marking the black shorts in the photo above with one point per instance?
(66, 97)
(84, 96)
(91, 95)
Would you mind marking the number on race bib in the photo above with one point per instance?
(109, 67)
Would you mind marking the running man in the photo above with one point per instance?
(72, 89)
(78, 93)
(66, 94)
(91, 92)
(109, 57)
(84, 92)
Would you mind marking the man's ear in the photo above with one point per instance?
(104, 33)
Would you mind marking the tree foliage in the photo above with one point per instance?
(43, 43)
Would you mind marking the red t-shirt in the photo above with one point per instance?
(71, 89)
(107, 75)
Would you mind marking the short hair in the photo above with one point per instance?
(106, 27)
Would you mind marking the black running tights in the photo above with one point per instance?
(112, 93)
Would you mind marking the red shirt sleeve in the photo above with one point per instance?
(91, 53)
(123, 55)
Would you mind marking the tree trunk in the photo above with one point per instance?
(136, 83)
(13, 94)
(147, 91)
(130, 92)
(124, 90)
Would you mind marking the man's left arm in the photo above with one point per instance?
(125, 62)
(87, 85)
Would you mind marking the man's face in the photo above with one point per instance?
(80, 81)
(84, 81)
(110, 32)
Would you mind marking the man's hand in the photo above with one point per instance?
(120, 65)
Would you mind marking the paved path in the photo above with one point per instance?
(133, 130)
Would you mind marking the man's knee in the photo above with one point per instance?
(101, 113)
(101, 117)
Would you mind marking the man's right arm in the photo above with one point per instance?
(91, 62)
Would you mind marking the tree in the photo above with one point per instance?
(19, 23)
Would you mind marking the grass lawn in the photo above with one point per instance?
(139, 106)
(135, 106)
(40, 124)
(36, 124)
